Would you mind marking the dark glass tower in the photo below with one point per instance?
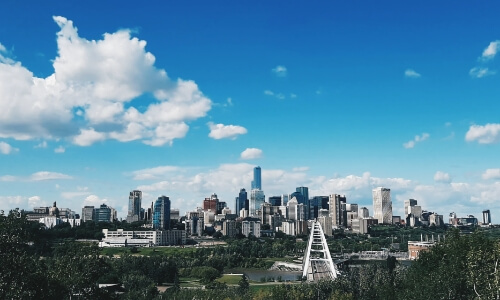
(240, 201)
(161, 214)
(304, 191)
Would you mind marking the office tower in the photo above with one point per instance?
(257, 198)
(409, 203)
(486, 216)
(275, 200)
(337, 209)
(292, 209)
(161, 214)
(363, 212)
(284, 199)
(266, 211)
(87, 213)
(211, 203)
(134, 206)
(257, 179)
(174, 214)
(220, 206)
(304, 191)
(382, 205)
(240, 201)
(103, 214)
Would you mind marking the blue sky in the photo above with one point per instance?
(184, 99)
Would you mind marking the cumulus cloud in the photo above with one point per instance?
(60, 149)
(300, 169)
(6, 148)
(410, 73)
(490, 51)
(96, 80)
(480, 72)
(417, 139)
(442, 177)
(491, 174)
(93, 200)
(221, 131)
(42, 145)
(280, 71)
(251, 153)
(487, 134)
(45, 175)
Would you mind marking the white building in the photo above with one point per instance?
(154, 237)
(382, 205)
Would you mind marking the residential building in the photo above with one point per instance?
(250, 226)
(326, 225)
(229, 228)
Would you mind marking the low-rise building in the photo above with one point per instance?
(154, 237)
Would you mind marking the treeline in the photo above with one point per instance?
(461, 267)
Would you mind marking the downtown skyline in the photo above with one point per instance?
(185, 99)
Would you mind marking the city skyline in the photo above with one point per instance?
(184, 100)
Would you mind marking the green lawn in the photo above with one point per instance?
(230, 279)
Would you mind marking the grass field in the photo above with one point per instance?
(230, 279)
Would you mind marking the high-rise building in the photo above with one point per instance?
(250, 227)
(337, 204)
(409, 203)
(382, 205)
(134, 206)
(161, 214)
(211, 203)
(257, 179)
(275, 200)
(304, 191)
(486, 217)
(103, 214)
(257, 198)
(87, 213)
(363, 212)
(240, 200)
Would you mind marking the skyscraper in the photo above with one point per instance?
(257, 181)
(257, 198)
(240, 201)
(337, 205)
(304, 191)
(486, 216)
(161, 214)
(134, 206)
(409, 203)
(382, 205)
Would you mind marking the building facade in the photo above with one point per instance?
(134, 206)
(161, 214)
(382, 205)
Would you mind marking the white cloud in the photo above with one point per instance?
(88, 136)
(44, 175)
(487, 134)
(6, 148)
(35, 201)
(292, 95)
(251, 153)
(94, 79)
(280, 71)
(221, 131)
(60, 149)
(154, 173)
(491, 174)
(411, 73)
(417, 139)
(8, 178)
(93, 200)
(479, 72)
(79, 193)
(442, 177)
(42, 145)
(490, 51)
(269, 93)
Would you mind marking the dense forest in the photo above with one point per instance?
(42, 264)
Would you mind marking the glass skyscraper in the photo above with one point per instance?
(257, 179)
(134, 206)
(161, 214)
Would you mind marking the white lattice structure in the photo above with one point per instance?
(318, 263)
